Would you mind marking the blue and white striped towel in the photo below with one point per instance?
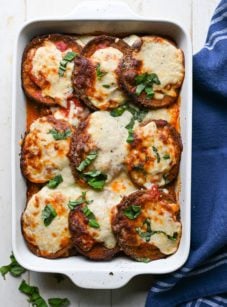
(202, 281)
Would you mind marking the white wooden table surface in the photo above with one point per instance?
(195, 14)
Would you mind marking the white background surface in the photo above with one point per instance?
(195, 15)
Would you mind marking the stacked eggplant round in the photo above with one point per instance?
(102, 149)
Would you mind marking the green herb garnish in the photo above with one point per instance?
(118, 111)
(155, 150)
(106, 86)
(138, 114)
(54, 182)
(14, 268)
(91, 217)
(132, 212)
(90, 157)
(58, 302)
(95, 179)
(48, 214)
(33, 294)
(36, 299)
(72, 204)
(60, 135)
(146, 235)
(166, 157)
(145, 83)
(100, 73)
(129, 127)
(66, 59)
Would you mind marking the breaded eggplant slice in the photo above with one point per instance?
(45, 148)
(45, 224)
(74, 113)
(96, 71)
(154, 154)
(105, 137)
(154, 72)
(147, 225)
(90, 225)
(41, 79)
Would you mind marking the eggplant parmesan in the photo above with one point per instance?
(45, 224)
(47, 67)
(102, 148)
(153, 73)
(99, 144)
(96, 75)
(45, 148)
(90, 219)
(154, 154)
(147, 225)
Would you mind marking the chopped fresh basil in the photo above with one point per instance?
(48, 214)
(33, 294)
(132, 212)
(138, 114)
(145, 83)
(146, 235)
(66, 59)
(90, 157)
(106, 86)
(129, 127)
(100, 73)
(60, 135)
(173, 237)
(95, 179)
(93, 223)
(70, 56)
(155, 150)
(58, 302)
(81, 200)
(53, 183)
(149, 91)
(166, 157)
(14, 268)
(140, 88)
(91, 217)
(119, 110)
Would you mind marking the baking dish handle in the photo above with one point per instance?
(101, 279)
(102, 9)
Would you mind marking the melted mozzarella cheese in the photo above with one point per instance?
(45, 64)
(164, 222)
(45, 156)
(164, 59)
(82, 40)
(132, 39)
(49, 239)
(158, 114)
(106, 93)
(109, 136)
(103, 205)
(151, 138)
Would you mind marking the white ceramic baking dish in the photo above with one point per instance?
(110, 17)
